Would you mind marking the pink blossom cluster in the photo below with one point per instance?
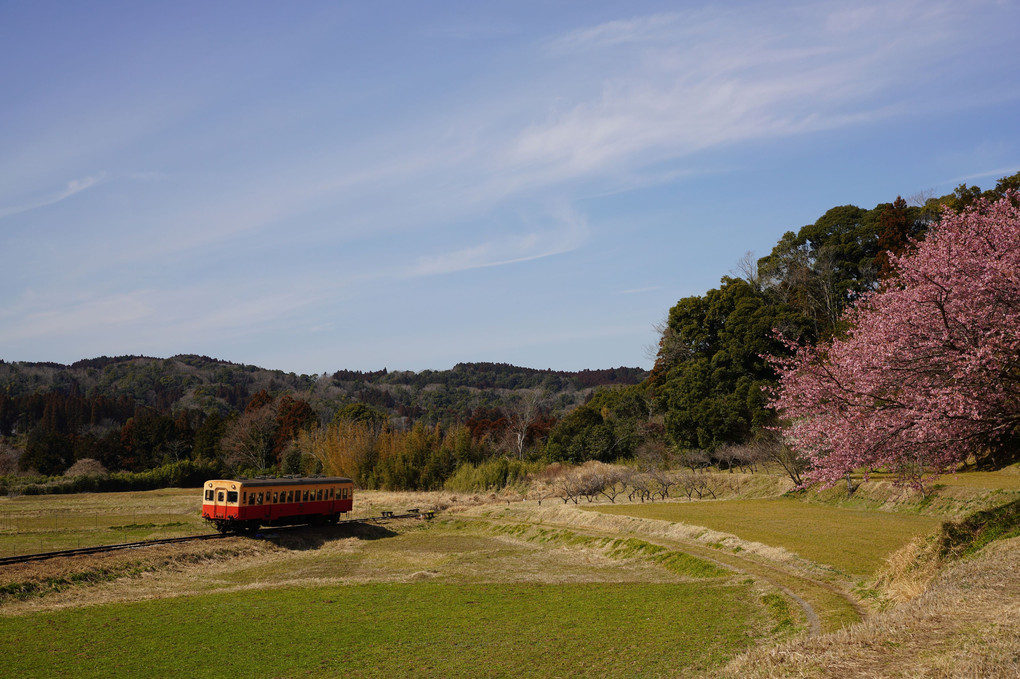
(929, 372)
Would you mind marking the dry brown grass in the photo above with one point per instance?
(372, 502)
(98, 578)
(965, 624)
(909, 571)
(561, 514)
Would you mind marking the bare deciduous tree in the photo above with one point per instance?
(521, 414)
(792, 462)
(614, 483)
(696, 483)
(249, 439)
(640, 486)
(747, 268)
(568, 489)
(663, 480)
(8, 459)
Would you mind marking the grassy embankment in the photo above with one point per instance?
(855, 542)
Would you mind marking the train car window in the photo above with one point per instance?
(304, 497)
(319, 494)
(290, 496)
(329, 493)
(244, 498)
(259, 500)
(209, 495)
(219, 496)
(276, 498)
(231, 496)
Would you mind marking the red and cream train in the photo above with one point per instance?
(247, 504)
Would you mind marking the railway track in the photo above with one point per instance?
(41, 556)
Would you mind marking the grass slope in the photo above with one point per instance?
(856, 542)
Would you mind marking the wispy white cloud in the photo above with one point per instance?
(74, 186)
(673, 85)
(661, 88)
(999, 173)
(567, 233)
(617, 32)
(150, 317)
(40, 315)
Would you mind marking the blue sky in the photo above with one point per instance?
(322, 185)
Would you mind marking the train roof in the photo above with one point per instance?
(303, 481)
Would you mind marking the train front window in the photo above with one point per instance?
(219, 496)
(209, 495)
(231, 496)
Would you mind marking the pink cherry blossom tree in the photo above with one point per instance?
(929, 372)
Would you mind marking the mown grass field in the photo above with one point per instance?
(856, 542)
(392, 630)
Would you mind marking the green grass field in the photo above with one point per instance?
(856, 542)
(392, 630)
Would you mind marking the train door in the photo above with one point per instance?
(220, 504)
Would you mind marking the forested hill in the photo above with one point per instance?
(499, 376)
(208, 384)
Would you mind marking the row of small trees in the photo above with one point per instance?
(595, 479)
